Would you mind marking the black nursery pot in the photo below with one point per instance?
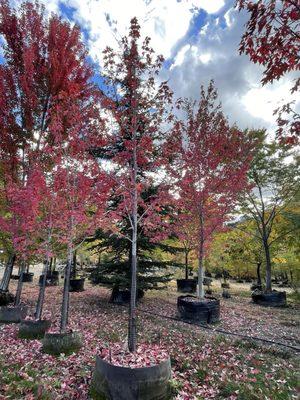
(77, 285)
(272, 299)
(27, 277)
(6, 298)
(51, 279)
(57, 343)
(10, 315)
(207, 281)
(123, 296)
(122, 383)
(31, 329)
(225, 285)
(206, 310)
(255, 286)
(186, 285)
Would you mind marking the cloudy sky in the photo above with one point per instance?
(199, 40)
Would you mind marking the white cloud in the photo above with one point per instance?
(214, 53)
(261, 102)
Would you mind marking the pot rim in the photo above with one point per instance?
(56, 334)
(166, 362)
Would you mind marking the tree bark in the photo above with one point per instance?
(7, 273)
(268, 266)
(258, 273)
(186, 265)
(74, 264)
(40, 302)
(201, 292)
(20, 285)
(66, 294)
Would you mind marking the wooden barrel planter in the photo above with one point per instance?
(272, 299)
(122, 383)
(10, 315)
(57, 343)
(186, 285)
(27, 277)
(51, 280)
(6, 298)
(77, 285)
(205, 310)
(31, 329)
(122, 296)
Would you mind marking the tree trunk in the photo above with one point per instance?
(132, 306)
(133, 286)
(268, 266)
(50, 266)
(66, 294)
(7, 273)
(40, 302)
(200, 273)
(258, 273)
(20, 285)
(74, 265)
(186, 265)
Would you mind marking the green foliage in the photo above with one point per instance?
(113, 269)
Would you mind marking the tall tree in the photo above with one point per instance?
(136, 105)
(49, 116)
(272, 39)
(210, 169)
(274, 177)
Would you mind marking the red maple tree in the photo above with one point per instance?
(210, 161)
(137, 109)
(50, 118)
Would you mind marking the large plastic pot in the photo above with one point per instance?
(186, 285)
(225, 285)
(123, 296)
(77, 285)
(27, 277)
(57, 343)
(51, 279)
(272, 299)
(10, 315)
(122, 383)
(6, 298)
(206, 310)
(31, 329)
(207, 281)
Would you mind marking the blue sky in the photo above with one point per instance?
(199, 40)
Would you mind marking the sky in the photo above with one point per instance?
(199, 40)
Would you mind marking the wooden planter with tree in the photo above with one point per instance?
(207, 186)
(119, 383)
(136, 152)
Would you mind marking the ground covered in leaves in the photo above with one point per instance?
(206, 363)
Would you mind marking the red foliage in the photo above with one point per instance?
(272, 39)
(209, 168)
(49, 119)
